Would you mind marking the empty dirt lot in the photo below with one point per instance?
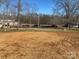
(39, 45)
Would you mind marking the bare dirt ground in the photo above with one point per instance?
(39, 45)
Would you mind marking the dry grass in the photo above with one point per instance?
(39, 45)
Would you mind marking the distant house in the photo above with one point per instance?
(8, 23)
(70, 25)
(27, 25)
(75, 26)
(48, 26)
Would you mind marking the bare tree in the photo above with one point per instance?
(19, 11)
(68, 6)
(28, 14)
(6, 14)
(35, 16)
(69, 9)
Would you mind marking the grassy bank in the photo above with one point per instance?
(38, 30)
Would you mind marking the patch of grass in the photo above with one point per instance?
(38, 30)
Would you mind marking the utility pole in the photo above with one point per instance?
(19, 12)
(38, 21)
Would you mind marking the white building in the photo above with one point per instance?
(8, 23)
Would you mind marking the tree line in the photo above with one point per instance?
(65, 12)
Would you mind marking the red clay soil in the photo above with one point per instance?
(39, 45)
